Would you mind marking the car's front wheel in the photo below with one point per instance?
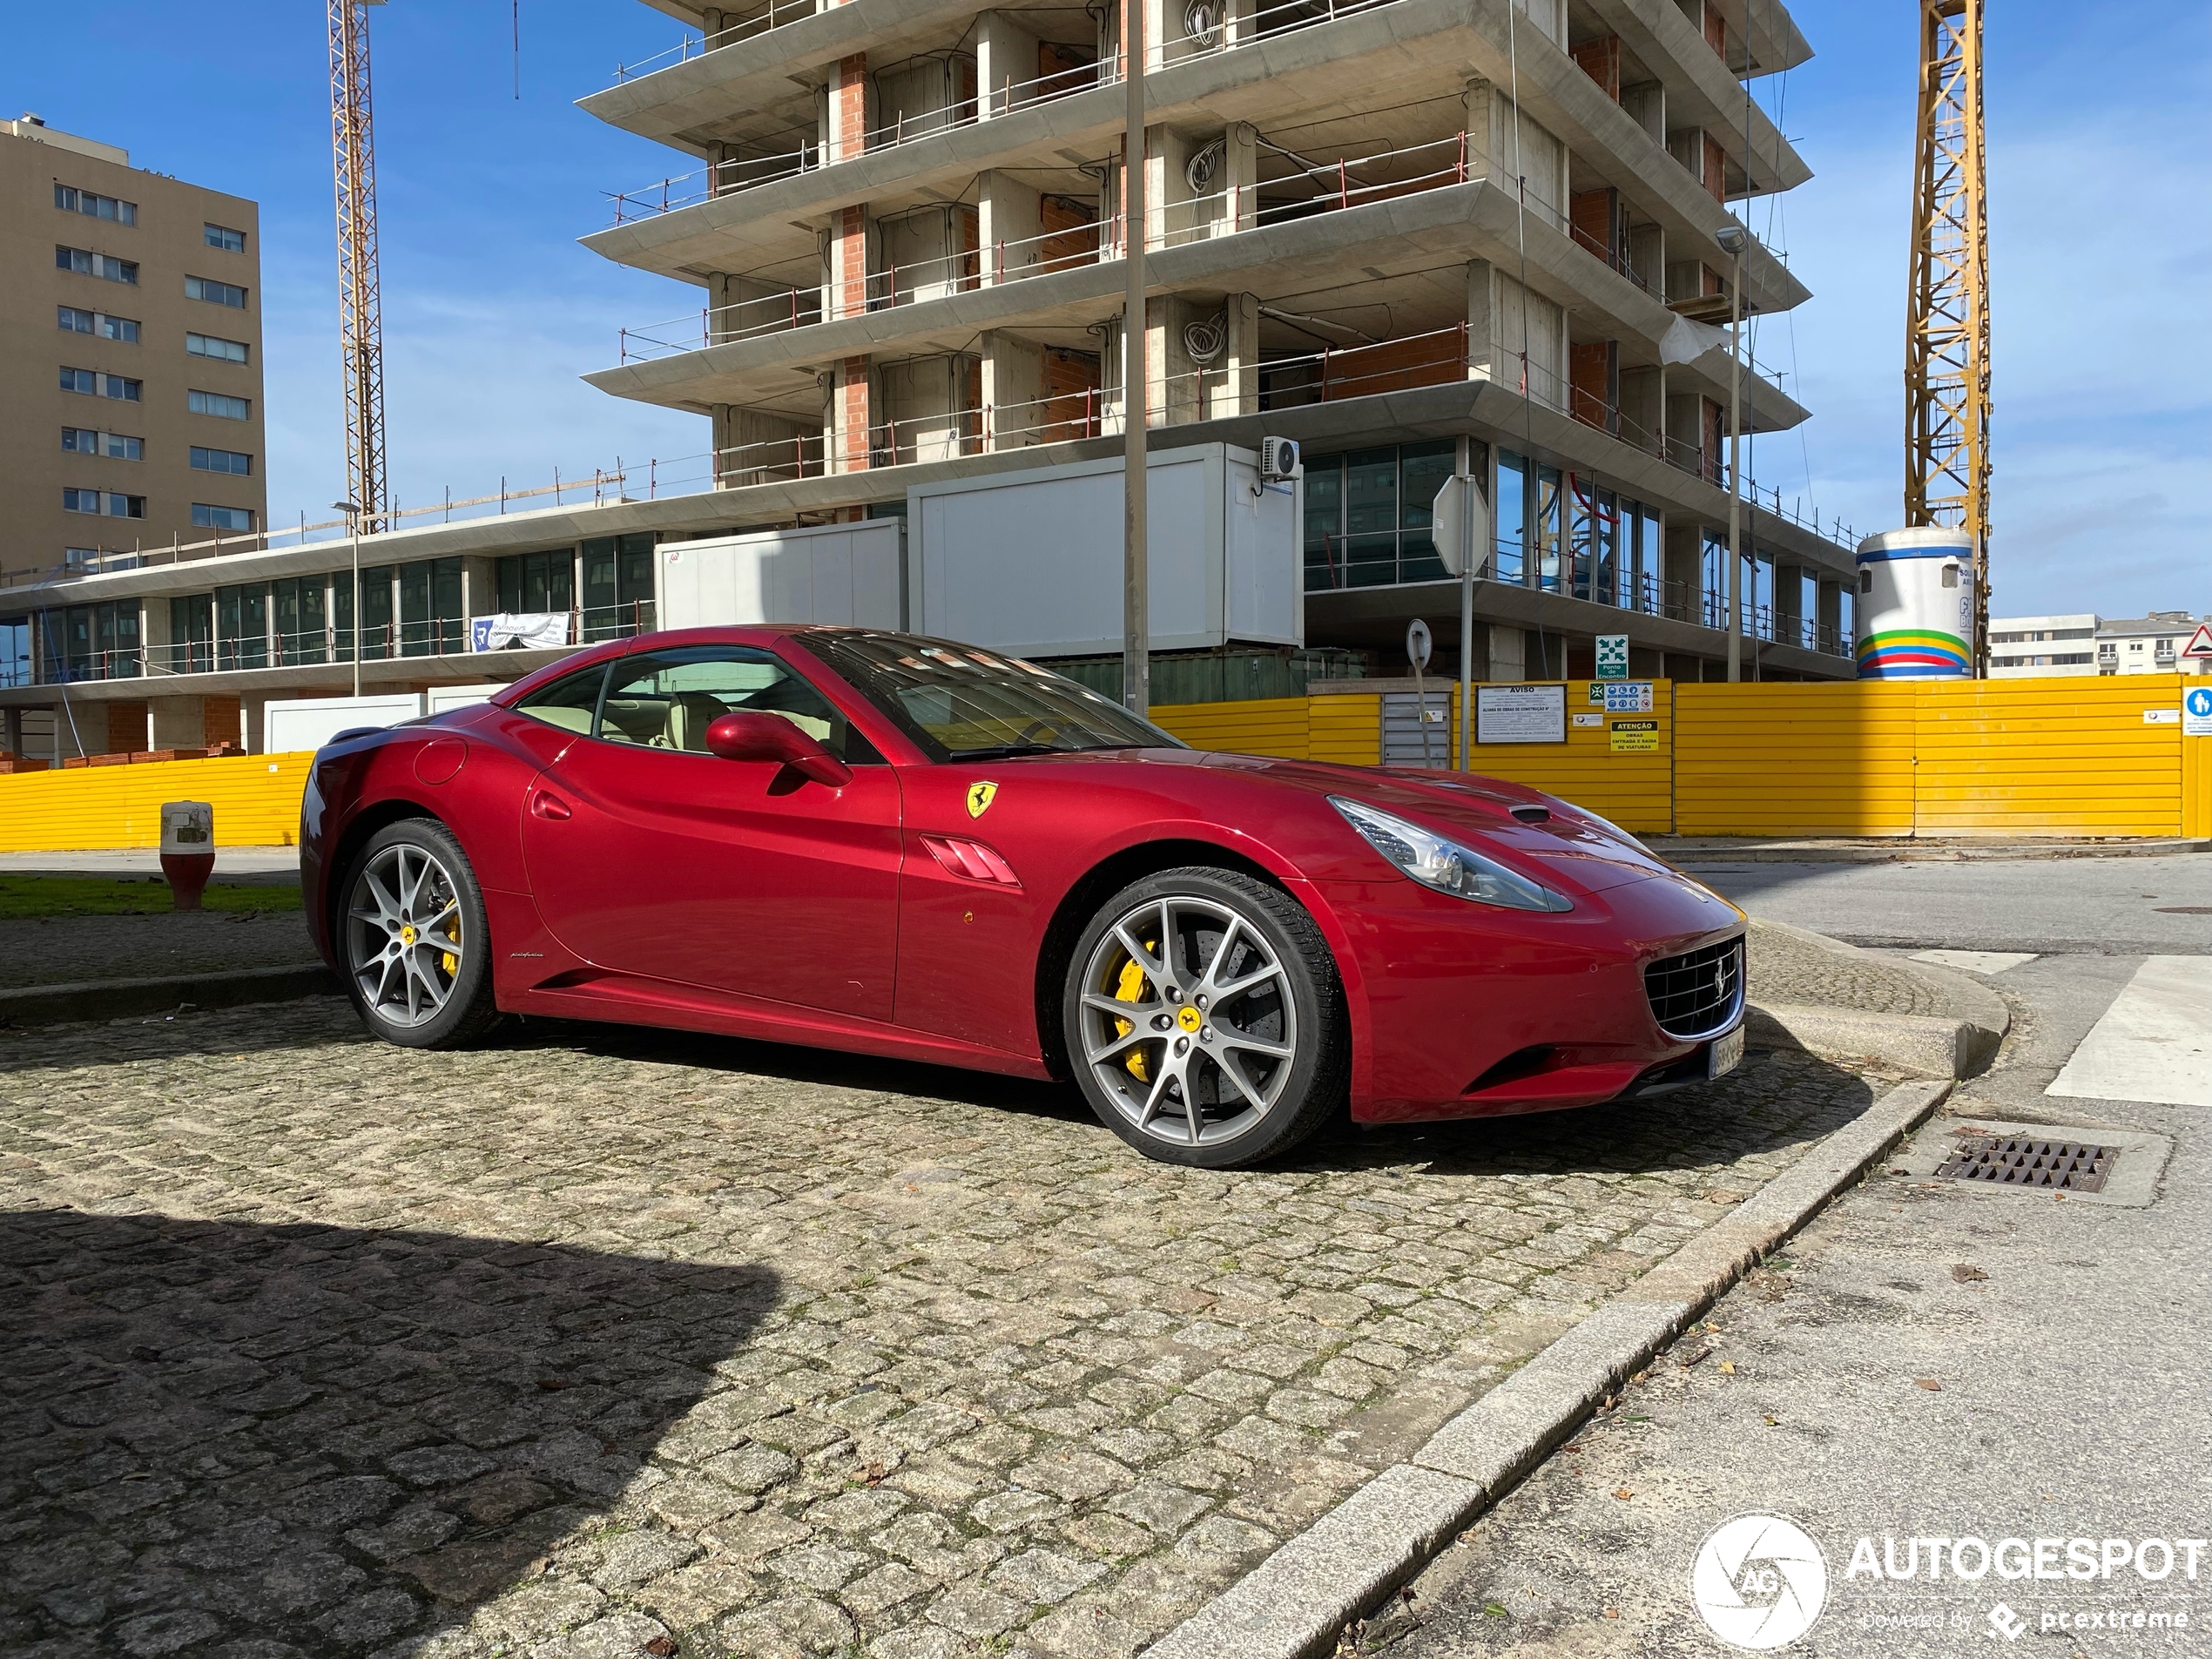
(417, 950)
(1205, 1019)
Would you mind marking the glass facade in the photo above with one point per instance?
(431, 619)
(538, 582)
(1369, 513)
(299, 635)
(617, 586)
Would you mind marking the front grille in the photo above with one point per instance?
(1697, 995)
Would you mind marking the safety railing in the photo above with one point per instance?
(1266, 22)
(1334, 187)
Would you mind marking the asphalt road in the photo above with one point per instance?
(2115, 907)
(1928, 1360)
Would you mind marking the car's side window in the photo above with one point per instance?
(570, 701)
(666, 699)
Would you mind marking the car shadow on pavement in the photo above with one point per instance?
(319, 1438)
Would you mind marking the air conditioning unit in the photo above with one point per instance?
(1278, 458)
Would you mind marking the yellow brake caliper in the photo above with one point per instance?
(1130, 988)
(451, 962)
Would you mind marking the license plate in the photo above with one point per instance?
(1723, 1055)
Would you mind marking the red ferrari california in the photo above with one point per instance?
(909, 848)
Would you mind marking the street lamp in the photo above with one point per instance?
(1733, 238)
(1136, 603)
(352, 510)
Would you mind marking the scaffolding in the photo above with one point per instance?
(1947, 350)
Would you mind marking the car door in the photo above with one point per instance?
(650, 856)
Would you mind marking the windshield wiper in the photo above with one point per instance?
(1007, 750)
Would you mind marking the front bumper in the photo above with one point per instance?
(1461, 1010)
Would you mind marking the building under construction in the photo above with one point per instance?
(1414, 236)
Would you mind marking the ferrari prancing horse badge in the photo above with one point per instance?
(980, 797)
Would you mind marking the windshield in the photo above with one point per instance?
(963, 702)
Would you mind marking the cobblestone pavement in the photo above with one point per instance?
(65, 950)
(1785, 966)
(598, 1342)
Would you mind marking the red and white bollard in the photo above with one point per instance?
(187, 849)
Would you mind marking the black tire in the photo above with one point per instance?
(391, 936)
(1215, 1083)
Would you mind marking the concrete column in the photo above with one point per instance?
(1009, 220)
(1231, 381)
(1013, 390)
(848, 293)
(850, 416)
(1831, 613)
(846, 111)
(252, 714)
(12, 735)
(1483, 361)
(175, 722)
(1508, 652)
(1005, 64)
(1483, 115)
(1239, 175)
(1683, 596)
(479, 589)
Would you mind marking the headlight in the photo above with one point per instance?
(1444, 865)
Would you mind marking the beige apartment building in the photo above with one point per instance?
(130, 364)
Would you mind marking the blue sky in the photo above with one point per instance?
(2101, 253)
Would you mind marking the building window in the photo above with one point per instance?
(299, 635)
(71, 200)
(224, 236)
(230, 409)
(106, 267)
(1369, 515)
(221, 518)
(91, 642)
(214, 293)
(14, 650)
(241, 625)
(107, 503)
(84, 440)
(77, 320)
(94, 384)
(192, 634)
(617, 586)
(538, 582)
(226, 351)
(431, 622)
(221, 461)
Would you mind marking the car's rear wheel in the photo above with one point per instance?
(1205, 1020)
(417, 950)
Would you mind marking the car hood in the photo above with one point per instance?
(1571, 846)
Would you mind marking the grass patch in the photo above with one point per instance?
(24, 898)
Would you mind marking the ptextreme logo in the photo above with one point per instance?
(1758, 1582)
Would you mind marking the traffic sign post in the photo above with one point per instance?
(2200, 642)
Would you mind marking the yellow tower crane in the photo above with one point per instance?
(352, 149)
(1946, 345)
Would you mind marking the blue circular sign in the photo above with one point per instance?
(2198, 701)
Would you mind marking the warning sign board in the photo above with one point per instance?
(2200, 642)
(1613, 656)
(1635, 737)
(2196, 712)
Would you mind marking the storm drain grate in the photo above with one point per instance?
(2065, 1166)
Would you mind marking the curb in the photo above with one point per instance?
(1920, 853)
(1954, 1045)
(121, 999)
(1296, 1602)
(1916, 1043)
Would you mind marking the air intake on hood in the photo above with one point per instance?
(1533, 813)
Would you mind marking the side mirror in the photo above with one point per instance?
(770, 737)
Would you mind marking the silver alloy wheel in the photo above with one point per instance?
(1188, 1021)
(403, 937)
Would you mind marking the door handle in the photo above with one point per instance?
(548, 806)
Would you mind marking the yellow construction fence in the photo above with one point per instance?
(2050, 756)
